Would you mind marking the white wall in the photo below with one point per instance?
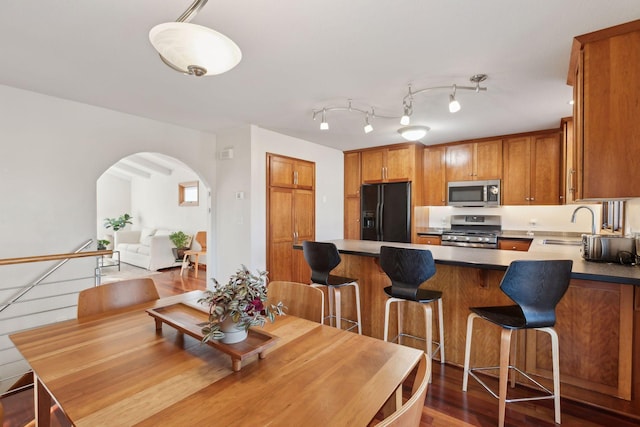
(154, 202)
(244, 220)
(52, 152)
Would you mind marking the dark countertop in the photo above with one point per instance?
(496, 259)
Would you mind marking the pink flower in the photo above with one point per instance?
(255, 305)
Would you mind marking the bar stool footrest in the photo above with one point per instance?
(550, 394)
(436, 344)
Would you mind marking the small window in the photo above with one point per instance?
(188, 193)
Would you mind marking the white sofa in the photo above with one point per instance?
(147, 248)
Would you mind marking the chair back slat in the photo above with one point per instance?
(112, 296)
(322, 257)
(300, 299)
(537, 286)
(410, 413)
(407, 269)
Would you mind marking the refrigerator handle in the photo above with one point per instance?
(381, 209)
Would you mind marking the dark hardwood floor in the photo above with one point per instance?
(445, 406)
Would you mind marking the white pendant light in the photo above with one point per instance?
(193, 49)
(413, 133)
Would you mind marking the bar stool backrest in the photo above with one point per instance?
(537, 287)
(407, 269)
(322, 257)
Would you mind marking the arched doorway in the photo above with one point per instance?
(162, 195)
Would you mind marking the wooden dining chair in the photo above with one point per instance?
(410, 413)
(300, 299)
(201, 238)
(113, 296)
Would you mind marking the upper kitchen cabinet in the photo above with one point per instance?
(433, 173)
(532, 167)
(352, 178)
(605, 74)
(474, 161)
(392, 163)
(291, 173)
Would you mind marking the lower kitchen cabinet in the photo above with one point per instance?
(428, 240)
(514, 244)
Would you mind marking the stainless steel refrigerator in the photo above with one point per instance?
(386, 212)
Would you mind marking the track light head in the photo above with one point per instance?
(367, 126)
(324, 125)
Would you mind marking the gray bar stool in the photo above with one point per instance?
(536, 287)
(408, 269)
(323, 257)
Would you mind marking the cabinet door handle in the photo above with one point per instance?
(526, 198)
(295, 177)
(532, 199)
(570, 179)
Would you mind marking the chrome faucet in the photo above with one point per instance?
(593, 217)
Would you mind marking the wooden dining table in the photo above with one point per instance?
(116, 369)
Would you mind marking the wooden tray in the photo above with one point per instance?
(190, 320)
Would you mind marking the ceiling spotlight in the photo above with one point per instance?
(406, 116)
(413, 133)
(367, 127)
(193, 49)
(454, 105)
(324, 125)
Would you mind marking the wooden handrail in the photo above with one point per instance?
(54, 257)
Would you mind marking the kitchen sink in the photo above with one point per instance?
(562, 242)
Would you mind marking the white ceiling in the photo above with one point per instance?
(300, 55)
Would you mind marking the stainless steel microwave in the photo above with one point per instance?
(473, 193)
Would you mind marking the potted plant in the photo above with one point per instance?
(181, 242)
(102, 244)
(238, 305)
(118, 223)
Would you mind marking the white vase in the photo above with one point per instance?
(232, 333)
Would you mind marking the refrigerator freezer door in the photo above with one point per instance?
(369, 212)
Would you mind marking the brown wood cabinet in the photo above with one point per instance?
(514, 244)
(429, 240)
(605, 73)
(532, 170)
(291, 173)
(596, 317)
(433, 176)
(352, 182)
(389, 164)
(290, 216)
(474, 161)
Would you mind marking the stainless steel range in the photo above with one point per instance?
(474, 231)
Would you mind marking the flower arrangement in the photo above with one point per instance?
(243, 300)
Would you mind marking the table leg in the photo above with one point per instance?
(236, 364)
(42, 402)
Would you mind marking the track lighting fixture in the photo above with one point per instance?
(454, 105)
(411, 133)
(367, 127)
(324, 125)
(406, 115)
(193, 49)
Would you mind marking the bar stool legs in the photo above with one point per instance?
(428, 318)
(507, 365)
(335, 306)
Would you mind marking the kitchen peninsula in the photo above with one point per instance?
(598, 318)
